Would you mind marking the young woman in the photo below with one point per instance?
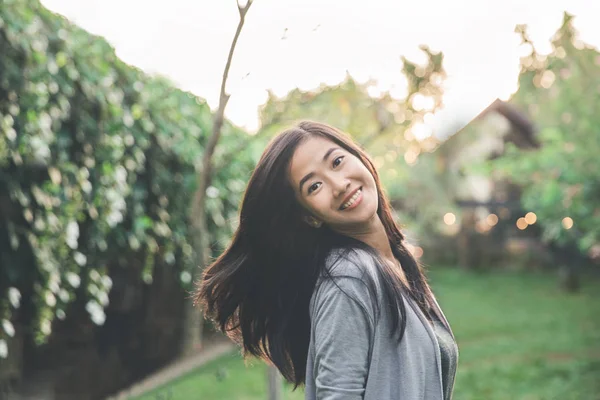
(318, 282)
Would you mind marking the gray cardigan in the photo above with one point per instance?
(351, 356)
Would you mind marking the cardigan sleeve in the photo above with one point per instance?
(343, 327)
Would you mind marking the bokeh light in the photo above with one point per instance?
(411, 155)
(547, 79)
(418, 252)
(567, 222)
(492, 219)
(449, 218)
(530, 218)
(483, 226)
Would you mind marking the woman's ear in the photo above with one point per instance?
(312, 221)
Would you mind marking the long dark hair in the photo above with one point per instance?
(258, 291)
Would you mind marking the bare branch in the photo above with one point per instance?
(199, 231)
(244, 9)
(223, 99)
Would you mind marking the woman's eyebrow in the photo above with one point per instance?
(311, 174)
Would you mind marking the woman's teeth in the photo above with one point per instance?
(352, 199)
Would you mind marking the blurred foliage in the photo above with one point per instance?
(97, 161)
(383, 124)
(561, 92)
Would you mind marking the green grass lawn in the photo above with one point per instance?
(519, 338)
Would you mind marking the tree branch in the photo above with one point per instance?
(192, 329)
(205, 174)
(244, 9)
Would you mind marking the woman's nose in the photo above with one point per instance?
(340, 187)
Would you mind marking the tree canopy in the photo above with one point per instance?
(560, 181)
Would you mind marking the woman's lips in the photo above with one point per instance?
(356, 202)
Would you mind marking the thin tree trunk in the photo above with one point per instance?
(193, 321)
(192, 324)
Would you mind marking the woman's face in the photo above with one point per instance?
(333, 185)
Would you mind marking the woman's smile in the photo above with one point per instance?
(354, 200)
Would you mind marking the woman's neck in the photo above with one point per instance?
(372, 233)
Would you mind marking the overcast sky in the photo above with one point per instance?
(303, 43)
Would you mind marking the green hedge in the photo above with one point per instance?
(97, 160)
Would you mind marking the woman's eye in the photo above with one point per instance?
(313, 187)
(336, 162)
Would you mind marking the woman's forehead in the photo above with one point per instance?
(308, 155)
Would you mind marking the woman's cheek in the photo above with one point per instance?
(318, 205)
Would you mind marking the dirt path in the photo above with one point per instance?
(213, 350)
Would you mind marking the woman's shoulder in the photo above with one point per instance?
(351, 263)
(348, 279)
